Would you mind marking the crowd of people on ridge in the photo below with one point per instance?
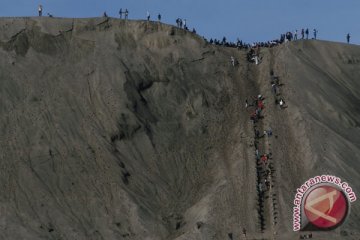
(289, 36)
(181, 23)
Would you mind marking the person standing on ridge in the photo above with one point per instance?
(40, 10)
(148, 15)
(120, 13)
(126, 14)
(159, 17)
(315, 33)
(348, 38)
(307, 33)
(302, 33)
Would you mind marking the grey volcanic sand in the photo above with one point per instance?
(113, 129)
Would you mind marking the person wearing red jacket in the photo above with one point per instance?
(260, 104)
(264, 158)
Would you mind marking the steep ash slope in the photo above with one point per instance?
(319, 130)
(114, 129)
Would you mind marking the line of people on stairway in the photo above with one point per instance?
(275, 87)
(262, 160)
(264, 166)
(263, 169)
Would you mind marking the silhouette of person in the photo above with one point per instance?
(40, 10)
(159, 17)
(223, 41)
(302, 33)
(315, 33)
(148, 15)
(121, 13)
(126, 14)
(307, 33)
(348, 38)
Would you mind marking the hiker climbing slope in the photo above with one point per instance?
(232, 59)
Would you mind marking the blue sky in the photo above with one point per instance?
(250, 20)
